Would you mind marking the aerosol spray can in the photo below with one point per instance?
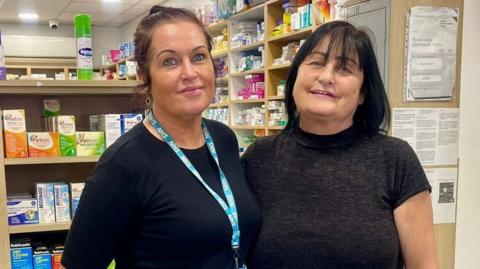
(3, 69)
(83, 34)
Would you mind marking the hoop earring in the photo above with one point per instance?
(148, 104)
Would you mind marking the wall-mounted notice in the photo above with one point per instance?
(431, 40)
(431, 132)
(444, 186)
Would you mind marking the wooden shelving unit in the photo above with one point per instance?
(115, 67)
(51, 160)
(37, 228)
(78, 98)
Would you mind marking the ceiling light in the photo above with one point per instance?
(28, 16)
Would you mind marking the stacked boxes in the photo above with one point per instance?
(25, 254)
(43, 144)
(62, 202)
(15, 134)
(90, 143)
(46, 202)
(22, 211)
(21, 254)
(42, 259)
(75, 193)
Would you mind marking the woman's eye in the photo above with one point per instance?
(316, 63)
(169, 62)
(199, 57)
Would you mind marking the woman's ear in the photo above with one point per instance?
(361, 97)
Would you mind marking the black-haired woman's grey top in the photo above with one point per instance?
(328, 201)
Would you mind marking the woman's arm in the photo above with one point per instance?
(414, 221)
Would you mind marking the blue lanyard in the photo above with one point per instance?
(231, 208)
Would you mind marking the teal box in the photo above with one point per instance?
(21, 258)
(42, 261)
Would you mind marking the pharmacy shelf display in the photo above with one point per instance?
(19, 175)
(257, 55)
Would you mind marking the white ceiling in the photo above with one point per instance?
(112, 13)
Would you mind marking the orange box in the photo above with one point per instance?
(56, 261)
(15, 135)
(43, 144)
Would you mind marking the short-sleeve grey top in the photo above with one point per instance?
(328, 201)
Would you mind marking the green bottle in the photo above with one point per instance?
(83, 34)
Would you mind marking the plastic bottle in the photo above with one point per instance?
(3, 69)
(281, 88)
(83, 34)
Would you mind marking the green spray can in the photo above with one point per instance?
(83, 34)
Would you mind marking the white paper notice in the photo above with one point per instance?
(431, 132)
(431, 51)
(444, 185)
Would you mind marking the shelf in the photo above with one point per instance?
(255, 71)
(218, 105)
(248, 47)
(273, 98)
(248, 101)
(217, 26)
(219, 54)
(132, 77)
(292, 36)
(280, 66)
(255, 12)
(276, 127)
(51, 160)
(35, 228)
(222, 79)
(67, 87)
(239, 127)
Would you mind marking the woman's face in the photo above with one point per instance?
(325, 90)
(181, 69)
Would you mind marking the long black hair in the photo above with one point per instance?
(373, 115)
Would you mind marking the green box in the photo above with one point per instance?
(66, 132)
(90, 143)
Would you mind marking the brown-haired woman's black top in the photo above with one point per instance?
(328, 201)
(144, 208)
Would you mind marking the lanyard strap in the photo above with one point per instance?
(230, 209)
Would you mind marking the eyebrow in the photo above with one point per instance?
(173, 51)
(346, 58)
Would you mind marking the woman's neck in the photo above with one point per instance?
(186, 132)
(323, 127)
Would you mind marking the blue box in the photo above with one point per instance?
(22, 211)
(42, 258)
(21, 257)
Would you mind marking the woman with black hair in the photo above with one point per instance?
(334, 190)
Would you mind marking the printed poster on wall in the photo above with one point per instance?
(444, 189)
(431, 132)
(430, 64)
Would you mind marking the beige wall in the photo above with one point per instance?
(467, 254)
(103, 38)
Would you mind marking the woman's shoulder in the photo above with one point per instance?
(392, 146)
(130, 147)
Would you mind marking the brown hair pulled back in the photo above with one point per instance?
(143, 37)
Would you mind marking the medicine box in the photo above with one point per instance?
(62, 202)
(90, 143)
(22, 211)
(43, 144)
(15, 135)
(46, 202)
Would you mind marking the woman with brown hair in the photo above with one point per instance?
(170, 193)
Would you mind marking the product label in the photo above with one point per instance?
(14, 121)
(51, 108)
(85, 55)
